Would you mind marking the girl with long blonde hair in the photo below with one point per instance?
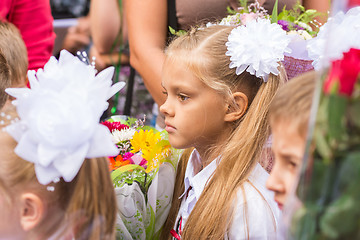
(219, 88)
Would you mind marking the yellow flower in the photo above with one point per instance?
(144, 141)
(152, 148)
(157, 155)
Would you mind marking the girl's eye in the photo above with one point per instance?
(292, 164)
(165, 93)
(183, 97)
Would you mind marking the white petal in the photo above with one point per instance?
(46, 175)
(27, 149)
(34, 83)
(101, 144)
(69, 165)
(18, 92)
(47, 154)
(115, 88)
(105, 74)
(16, 130)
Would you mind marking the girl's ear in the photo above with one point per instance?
(31, 212)
(236, 112)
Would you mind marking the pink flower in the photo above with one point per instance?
(246, 17)
(127, 155)
(114, 125)
(345, 73)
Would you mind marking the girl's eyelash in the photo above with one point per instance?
(183, 97)
(292, 163)
(164, 92)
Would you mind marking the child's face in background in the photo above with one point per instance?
(288, 146)
(194, 112)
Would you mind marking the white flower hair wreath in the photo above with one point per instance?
(59, 117)
(257, 48)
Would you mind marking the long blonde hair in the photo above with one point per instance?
(203, 52)
(85, 206)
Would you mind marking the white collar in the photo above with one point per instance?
(197, 181)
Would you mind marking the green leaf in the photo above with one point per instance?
(348, 178)
(243, 3)
(301, 7)
(274, 15)
(354, 114)
(304, 222)
(131, 121)
(172, 31)
(151, 227)
(336, 116)
(230, 10)
(339, 218)
(322, 146)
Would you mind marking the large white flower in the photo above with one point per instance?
(257, 48)
(60, 115)
(336, 36)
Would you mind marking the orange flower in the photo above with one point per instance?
(117, 162)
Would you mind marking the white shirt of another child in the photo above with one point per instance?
(262, 212)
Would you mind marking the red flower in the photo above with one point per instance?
(114, 125)
(353, 3)
(345, 72)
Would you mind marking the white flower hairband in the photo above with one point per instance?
(336, 36)
(257, 48)
(59, 117)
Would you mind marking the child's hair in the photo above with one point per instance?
(293, 102)
(203, 53)
(4, 79)
(85, 206)
(13, 47)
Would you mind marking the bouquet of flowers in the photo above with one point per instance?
(144, 175)
(330, 178)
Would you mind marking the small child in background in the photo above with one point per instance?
(217, 102)
(54, 178)
(289, 115)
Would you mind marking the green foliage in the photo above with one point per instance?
(274, 15)
(298, 14)
(177, 33)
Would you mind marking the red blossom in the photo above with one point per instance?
(353, 3)
(114, 125)
(345, 72)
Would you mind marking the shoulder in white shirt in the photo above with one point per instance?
(260, 218)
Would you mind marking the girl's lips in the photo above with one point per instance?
(169, 128)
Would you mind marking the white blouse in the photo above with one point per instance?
(262, 212)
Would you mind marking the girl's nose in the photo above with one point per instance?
(274, 182)
(166, 109)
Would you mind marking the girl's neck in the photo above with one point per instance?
(210, 150)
